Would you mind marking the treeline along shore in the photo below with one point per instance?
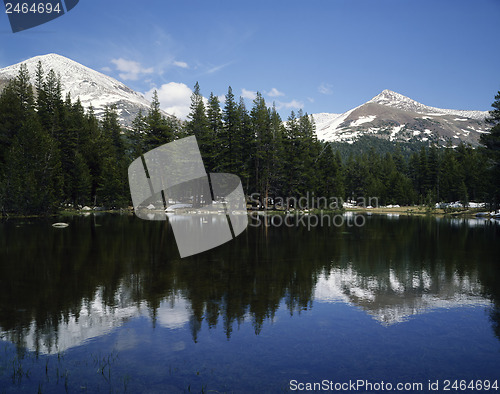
(55, 154)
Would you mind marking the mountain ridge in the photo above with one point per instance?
(388, 115)
(395, 117)
(91, 86)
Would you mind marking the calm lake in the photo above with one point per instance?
(107, 305)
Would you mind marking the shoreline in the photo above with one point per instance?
(402, 210)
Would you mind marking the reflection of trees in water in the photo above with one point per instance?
(490, 278)
(46, 275)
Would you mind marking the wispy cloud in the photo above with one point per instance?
(180, 64)
(130, 70)
(248, 94)
(290, 104)
(325, 88)
(274, 93)
(217, 68)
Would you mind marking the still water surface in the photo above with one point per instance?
(107, 305)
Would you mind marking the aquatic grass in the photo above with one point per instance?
(43, 373)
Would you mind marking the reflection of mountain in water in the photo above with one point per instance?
(95, 319)
(393, 298)
(92, 277)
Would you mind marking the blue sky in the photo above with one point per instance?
(319, 55)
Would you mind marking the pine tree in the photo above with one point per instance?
(491, 143)
(33, 172)
(198, 125)
(328, 169)
(291, 145)
(434, 172)
(473, 170)
(452, 181)
(112, 190)
(226, 139)
(50, 103)
(16, 104)
(32, 180)
(73, 142)
(244, 146)
(91, 150)
(307, 149)
(81, 181)
(137, 135)
(159, 130)
(262, 156)
(214, 115)
(277, 152)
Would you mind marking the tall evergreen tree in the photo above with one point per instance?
(113, 187)
(329, 168)
(214, 115)
(262, 156)
(226, 161)
(31, 181)
(198, 125)
(244, 145)
(277, 152)
(491, 143)
(16, 104)
(159, 130)
(137, 135)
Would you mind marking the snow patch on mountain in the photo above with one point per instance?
(392, 116)
(93, 88)
(362, 119)
(326, 126)
(396, 100)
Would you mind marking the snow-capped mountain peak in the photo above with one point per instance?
(393, 116)
(92, 87)
(388, 96)
(396, 100)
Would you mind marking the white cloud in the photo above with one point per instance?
(310, 99)
(275, 93)
(325, 88)
(175, 98)
(217, 68)
(130, 69)
(248, 94)
(173, 313)
(106, 69)
(181, 64)
(291, 104)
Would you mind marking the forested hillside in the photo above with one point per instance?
(53, 154)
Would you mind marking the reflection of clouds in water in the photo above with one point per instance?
(397, 296)
(470, 222)
(173, 313)
(178, 346)
(127, 339)
(97, 319)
